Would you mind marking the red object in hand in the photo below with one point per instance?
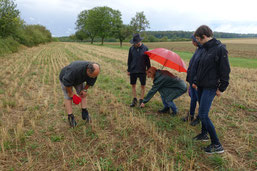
(76, 99)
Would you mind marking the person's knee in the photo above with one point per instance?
(203, 117)
(143, 87)
(133, 85)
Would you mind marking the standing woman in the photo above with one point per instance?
(191, 71)
(168, 85)
(212, 78)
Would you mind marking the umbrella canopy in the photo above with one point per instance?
(167, 58)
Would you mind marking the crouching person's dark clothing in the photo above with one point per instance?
(169, 86)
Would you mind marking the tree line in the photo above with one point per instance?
(177, 35)
(14, 31)
(105, 23)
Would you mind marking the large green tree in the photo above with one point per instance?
(106, 21)
(99, 21)
(9, 18)
(122, 32)
(85, 24)
(139, 22)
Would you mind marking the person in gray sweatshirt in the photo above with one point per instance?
(75, 75)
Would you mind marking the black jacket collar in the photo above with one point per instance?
(211, 43)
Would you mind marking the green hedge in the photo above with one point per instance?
(28, 35)
(8, 45)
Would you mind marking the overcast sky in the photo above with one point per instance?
(59, 16)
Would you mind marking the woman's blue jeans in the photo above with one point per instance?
(206, 97)
(170, 104)
(194, 99)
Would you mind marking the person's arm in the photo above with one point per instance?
(129, 60)
(224, 70)
(86, 87)
(148, 64)
(156, 86)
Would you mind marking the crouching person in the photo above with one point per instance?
(168, 85)
(75, 75)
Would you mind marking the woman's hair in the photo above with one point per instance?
(152, 70)
(203, 30)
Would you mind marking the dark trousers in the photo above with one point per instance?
(194, 99)
(206, 97)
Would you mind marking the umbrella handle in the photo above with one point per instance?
(164, 63)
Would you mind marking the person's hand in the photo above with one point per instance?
(218, 93)
(83, 94)
(142, 105)
(128, 73)
(194, 86)
(76, 99)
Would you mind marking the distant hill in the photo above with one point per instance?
(162, 36)
(187, 34)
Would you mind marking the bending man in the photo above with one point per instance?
(75, 75)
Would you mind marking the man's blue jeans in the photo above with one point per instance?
(206, 97)
(170, 104)
(194, 99)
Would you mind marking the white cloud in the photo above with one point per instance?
(31, 19)
(227, 16)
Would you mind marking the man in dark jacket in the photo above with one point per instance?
(212, 78)
(191, 72)
(74, 75)
(138, 63)
(168, 85)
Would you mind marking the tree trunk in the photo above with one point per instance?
(92, 40)
(102, 40)
(120, 43)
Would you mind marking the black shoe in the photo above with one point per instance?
(188, 118)
(85, 115)
(164, 110)
(140, 101)
(195, 122)
(201, 137)
(72, 121)
(134, 102)
(211, 149)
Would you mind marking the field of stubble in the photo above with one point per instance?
(34, 132)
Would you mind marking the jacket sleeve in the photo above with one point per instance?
(148, 64)
(189, 69)
(129, 60)
(156, 86)
(223, 69)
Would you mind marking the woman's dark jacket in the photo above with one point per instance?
(212, 70)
